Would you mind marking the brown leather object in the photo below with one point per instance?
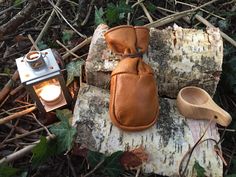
(134, 103)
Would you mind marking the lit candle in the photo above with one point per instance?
(50, 93)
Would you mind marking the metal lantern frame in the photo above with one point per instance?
(38, 67)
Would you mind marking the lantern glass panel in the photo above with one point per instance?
(50, 94)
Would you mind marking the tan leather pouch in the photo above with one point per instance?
(134, 103)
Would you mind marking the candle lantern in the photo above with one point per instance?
(42, 78)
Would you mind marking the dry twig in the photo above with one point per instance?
(146, 12)
(16, 115)
(94, 169)
(225, 36)
(58, 10)
(19, 18)
(82, 44)
(173, 17)
(7, 88)
(18, 154)
(47, 24)
(88, 14)
(68, 50)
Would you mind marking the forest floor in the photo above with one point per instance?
(68, 25)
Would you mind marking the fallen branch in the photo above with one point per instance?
(18, 154)
(26, 134)
(18, 19)
(58, 10)
(146, 12)
(47, 24)
(173, 17)
(16, 115)
(7, 88)
(225, 36)
(82, 44)
(94, 169)
(205, 22)
(88, 14)
(72, 53)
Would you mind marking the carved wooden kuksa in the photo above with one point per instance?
(179, 58)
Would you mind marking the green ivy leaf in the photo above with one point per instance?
(66, 36)
(73, 70)
(151, 7)
(115, 13)
(94, 158)
(233, 167)
(42, 151)
(98, 16)
(7, 71)
(17, 3)
(41, 45)
(232, 175)
(64, 131)
(223, 25)
(123, 7)
(112, 14)
(8, 171)
(112, 165)
(199, 169)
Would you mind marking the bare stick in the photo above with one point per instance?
(9, 8)
(95, 168)
(17, 129)
(71, 166)
(230, 160)
(225, 36)
(137, 3)
(5, 74)
(205, 22)
(7, 88)
(173, 17)
(138, 172)
(146, 12)
(190, 5)
(26, 134)
(11, 132)
(72, 53)
(82, 44)
(18, 19)
(33, 43)
(17, 89)
(128, 16)
(88, 14)
(18, 154)
(48, 23)
(58, 10)
(20, 107)
(46, 129)
(16, 115)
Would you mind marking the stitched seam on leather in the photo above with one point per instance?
(114, 99)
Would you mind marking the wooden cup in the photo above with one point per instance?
(196, 103)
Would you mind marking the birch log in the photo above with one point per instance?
(166, 142)
(179, 57)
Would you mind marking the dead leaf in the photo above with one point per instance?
(134, 159)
